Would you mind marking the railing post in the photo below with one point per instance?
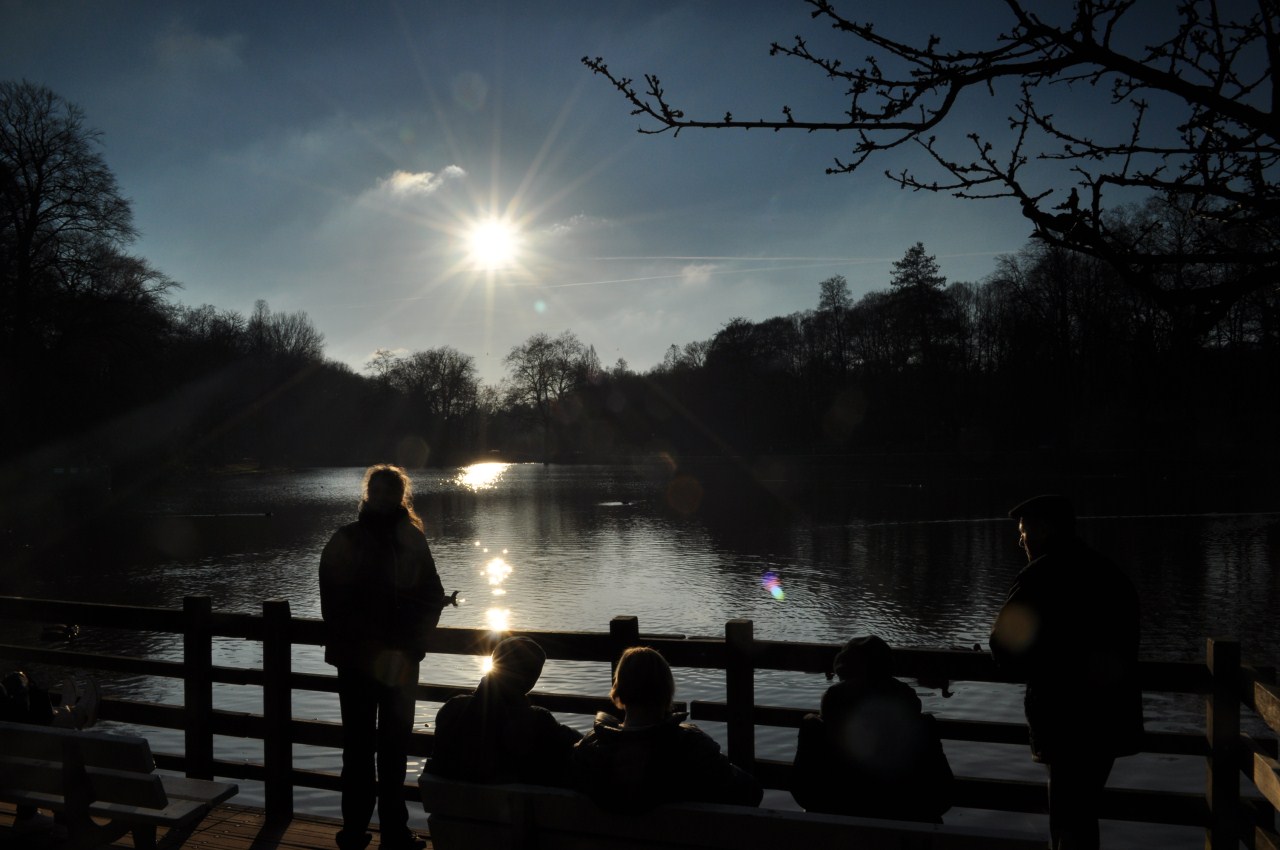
(1222, 728)
(624, 631)
(197, 685)
(740, 692)
(277, 709)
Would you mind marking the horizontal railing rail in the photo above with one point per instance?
(1227, 685)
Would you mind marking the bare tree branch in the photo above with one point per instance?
(1204, 132)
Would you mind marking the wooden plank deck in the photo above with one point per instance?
(227, 827)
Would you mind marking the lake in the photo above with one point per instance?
(568, 547)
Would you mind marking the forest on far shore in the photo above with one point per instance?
(101, 368)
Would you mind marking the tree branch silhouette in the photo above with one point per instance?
(1202, 146)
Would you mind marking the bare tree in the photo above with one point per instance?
(60, 210)
(290, 335)
(543, 371)
(383, 365)
(1203, 135)
(834, 302)
(443, 378)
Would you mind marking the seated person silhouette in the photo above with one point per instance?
(652, 757)
(24, 701)
(496, 734)
(871, 752)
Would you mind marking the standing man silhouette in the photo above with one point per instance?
(1070, 630)
(380, 597)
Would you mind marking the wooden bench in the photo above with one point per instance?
(522, 817)
(89, 777)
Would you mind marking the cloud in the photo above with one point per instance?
(698, 273)
(182, 48)
(421, 184)
(580, 223)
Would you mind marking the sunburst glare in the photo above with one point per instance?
(493, 244)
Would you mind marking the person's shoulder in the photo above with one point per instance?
(693, 737)
(452, 707)
(408, 532)
(902, 692)
(346, 533)
(543, 715)
(1103, 566)
(605, 726)
(341, 542)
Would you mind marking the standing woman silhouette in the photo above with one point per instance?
(380, 597)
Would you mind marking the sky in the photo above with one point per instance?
(337, 158)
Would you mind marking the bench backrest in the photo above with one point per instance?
(105, 767)
(513, 817)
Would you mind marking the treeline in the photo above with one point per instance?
(99, 366)
(1050, 352)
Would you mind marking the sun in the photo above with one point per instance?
(493, 244)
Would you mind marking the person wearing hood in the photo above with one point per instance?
(1070, 629)
(496, 734)
(871, 751)
(651, 756)
(380, 597)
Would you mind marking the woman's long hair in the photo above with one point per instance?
(643, 677)
(386, 470)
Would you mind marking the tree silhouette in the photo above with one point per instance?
(75, 310)
(1203, 136)
(544, 371)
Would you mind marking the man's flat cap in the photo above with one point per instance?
(1049, 506)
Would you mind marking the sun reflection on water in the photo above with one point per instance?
(499, 619)
(481, 476)
(496, 572)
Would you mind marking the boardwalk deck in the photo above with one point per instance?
(226, 828)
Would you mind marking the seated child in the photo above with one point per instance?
(496, 734)
(651, 757)
(871, 752)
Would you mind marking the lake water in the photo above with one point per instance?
(568, 547)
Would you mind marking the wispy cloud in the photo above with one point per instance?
(183, 49)
(697, 273)
(579, 223)
(409, 184)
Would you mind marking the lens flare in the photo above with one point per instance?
(770, 582)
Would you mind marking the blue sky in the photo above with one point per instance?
(331, 157)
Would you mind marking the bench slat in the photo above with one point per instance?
(99, 749)
(109, 786)
(176, 814)
(200, 790)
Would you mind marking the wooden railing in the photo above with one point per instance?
(1227, 685)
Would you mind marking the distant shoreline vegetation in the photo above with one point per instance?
(1052, 354)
